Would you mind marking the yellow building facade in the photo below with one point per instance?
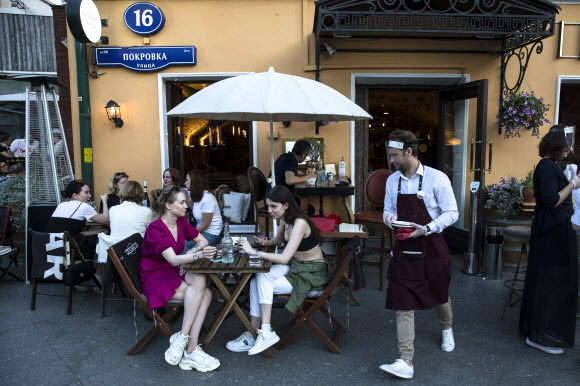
(239, 37)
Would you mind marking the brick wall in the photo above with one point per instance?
(63, 75)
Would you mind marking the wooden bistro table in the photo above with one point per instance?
(241, 271)
(341, 192)
(343, 239)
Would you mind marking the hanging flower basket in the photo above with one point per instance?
(522, 111)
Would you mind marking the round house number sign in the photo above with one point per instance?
(144, 18)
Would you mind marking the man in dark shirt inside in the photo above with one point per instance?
(286, 166)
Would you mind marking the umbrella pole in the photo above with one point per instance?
(273, 182)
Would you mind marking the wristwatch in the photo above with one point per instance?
(195, 256)
(427, 230)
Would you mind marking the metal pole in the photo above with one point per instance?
(84, 115)
(27, 183)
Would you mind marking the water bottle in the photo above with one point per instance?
(342, 168)
(227, 245)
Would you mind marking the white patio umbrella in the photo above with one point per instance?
(269, 96)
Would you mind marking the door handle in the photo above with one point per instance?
(473, 142)
(490, 153)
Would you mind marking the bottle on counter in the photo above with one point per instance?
(320, 175)
(342, 168)
(145, 195)
(227, 245)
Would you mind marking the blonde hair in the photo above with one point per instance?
(115, 178)
(131, 191)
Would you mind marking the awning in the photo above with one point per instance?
(517, 22)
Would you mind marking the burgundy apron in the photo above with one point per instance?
(420, 269)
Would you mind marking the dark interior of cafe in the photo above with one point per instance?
(403, 109)
(218, 148)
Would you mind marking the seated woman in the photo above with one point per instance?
(117, 180)
(171, 176)
(162, 281)
(206, 210)
(72, 215)
(303, 248)
(126, 219)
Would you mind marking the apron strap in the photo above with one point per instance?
(420, 183)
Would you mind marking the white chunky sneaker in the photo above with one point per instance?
(199, 360)
(243, 343)
(549, 350)
(447, 341)
(400, 368)
(265, 340)
(177, 344)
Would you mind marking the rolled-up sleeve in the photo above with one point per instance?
(446, 200)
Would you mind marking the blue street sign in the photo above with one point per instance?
(144, 18)
(146, 58)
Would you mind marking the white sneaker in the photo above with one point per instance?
(199, 360)
(177, 344)
(265, 340)
(549, 350)
(400, 368)
(447, 341)
(243, 343)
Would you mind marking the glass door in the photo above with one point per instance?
(462, 147)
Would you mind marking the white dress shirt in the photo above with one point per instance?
(439, 198)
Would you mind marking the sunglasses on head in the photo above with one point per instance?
(173, 189)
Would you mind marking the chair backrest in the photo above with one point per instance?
(126, 256)
(258, 185)
(219, 195)
(342, 264)
(375, 186)
(49, 253)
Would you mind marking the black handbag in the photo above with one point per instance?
(78, 273)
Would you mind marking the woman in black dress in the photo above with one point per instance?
(548, 314)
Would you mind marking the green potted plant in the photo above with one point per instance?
(528, 187)
(504, 197)
(317, 151)
(12, 193)
(522, 111)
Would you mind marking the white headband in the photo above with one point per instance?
(396, 145)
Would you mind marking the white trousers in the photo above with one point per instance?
(265, 285)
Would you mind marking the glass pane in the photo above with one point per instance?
(454, 157)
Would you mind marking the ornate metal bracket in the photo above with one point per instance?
(522, 55)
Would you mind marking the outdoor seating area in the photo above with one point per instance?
(322, 192)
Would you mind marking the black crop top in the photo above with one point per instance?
(308, 243)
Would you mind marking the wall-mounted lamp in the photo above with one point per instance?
(114, 113)
(331, 51)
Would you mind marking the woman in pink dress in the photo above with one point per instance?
(162, 281)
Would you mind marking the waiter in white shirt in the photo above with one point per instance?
(420, 269)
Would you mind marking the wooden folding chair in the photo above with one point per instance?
(316, 302)
(126, 256)
(41, 264)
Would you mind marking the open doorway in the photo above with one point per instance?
(408, 110)
(567, 109)
(221, 149)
